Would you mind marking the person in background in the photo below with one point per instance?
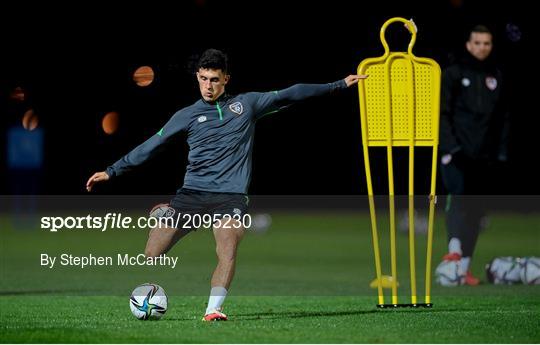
(474, 130)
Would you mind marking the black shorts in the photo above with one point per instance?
(193, 205)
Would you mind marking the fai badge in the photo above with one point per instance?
(237, 108)
(491, 83)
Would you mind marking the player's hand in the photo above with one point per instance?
(353, 79)
(97, 177)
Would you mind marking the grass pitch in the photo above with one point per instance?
(42, 319)
(304, 281)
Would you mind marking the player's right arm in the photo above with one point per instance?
(143, 152)
(100, 176)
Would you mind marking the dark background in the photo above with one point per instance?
(76, 63)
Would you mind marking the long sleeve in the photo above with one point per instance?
(150, 147)
(448, 141)
(268, 102)
(502, 154)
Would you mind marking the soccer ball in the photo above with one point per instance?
(530, 271)
(448, 273)
(420, 222)
(148, 302)
(261, 222)
(504, 270)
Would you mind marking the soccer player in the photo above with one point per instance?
(473, 137)
(220, 129)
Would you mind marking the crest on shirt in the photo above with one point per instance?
(237, 108)
(491, 83)
(201, 118)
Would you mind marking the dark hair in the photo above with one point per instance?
(481, 29)
(213, 59)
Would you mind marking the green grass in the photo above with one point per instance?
(304, 281)
(42, 319)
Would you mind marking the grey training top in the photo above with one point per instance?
(220, 136)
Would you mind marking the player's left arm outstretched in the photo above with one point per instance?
(267, 102)
(300, 92)
(353, 79)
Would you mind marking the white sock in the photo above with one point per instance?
(217, 297)
(454, 246)
(464, 264)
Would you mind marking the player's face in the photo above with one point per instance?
(480, 45)
(211, 83)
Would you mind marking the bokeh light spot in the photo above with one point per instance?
(143, 76)
(110, 122)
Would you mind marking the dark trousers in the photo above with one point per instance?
(467, 183)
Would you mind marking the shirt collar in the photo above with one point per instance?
(220, 100)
